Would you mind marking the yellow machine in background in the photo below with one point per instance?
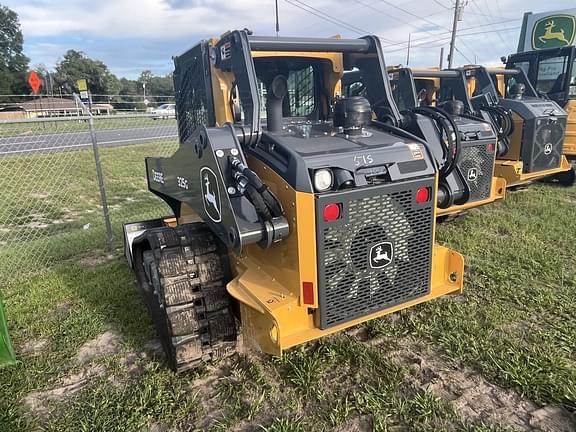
(463, 146)
(296, 213)
(532, 128)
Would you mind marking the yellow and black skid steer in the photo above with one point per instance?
(295, 213)
(535, 127)
(552, 72)
(470, 140)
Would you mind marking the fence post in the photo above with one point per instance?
(101, 186)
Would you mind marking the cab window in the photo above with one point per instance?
(552, 74)
(524, 65)
(302, 76)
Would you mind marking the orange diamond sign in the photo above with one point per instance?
(35, 82)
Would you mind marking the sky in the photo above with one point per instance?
(134, 35)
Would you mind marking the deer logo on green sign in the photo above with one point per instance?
(553, 31)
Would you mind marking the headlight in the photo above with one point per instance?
(323, 179)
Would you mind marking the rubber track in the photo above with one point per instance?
(187, 295)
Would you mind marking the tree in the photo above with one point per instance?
(77, 65)
(13, 63)
(156, 86)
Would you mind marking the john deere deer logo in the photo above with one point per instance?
(553, 31)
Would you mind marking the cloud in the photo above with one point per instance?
(129, 34)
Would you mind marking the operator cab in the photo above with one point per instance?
(552, 71)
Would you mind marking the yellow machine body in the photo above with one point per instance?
(497, 192)
(268, 283)
(570, 139)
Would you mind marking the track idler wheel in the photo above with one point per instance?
(183, 277)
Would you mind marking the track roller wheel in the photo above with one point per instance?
(183, 278)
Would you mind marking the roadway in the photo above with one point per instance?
(60, 141)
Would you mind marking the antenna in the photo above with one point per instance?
(277, 20)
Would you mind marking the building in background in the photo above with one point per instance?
(49, 107)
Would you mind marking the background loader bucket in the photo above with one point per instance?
(7, 356)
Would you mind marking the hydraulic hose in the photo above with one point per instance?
(447, 128)
(504, 125)
(266, 204)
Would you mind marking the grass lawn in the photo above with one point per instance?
(51, 208)
(502, 356)
(50, 127)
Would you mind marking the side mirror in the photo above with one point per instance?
(503, 59)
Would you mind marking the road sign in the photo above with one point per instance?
(35, 82)
(82, 85)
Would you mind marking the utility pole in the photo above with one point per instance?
(457, 17)
(441, 58)
(408, 53)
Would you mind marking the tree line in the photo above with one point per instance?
(104, 86)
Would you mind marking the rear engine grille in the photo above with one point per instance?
(549, 140)
(378, 255)
(477, 166)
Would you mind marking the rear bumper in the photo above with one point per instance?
(498, 192)
(511, 171)
(273, 318)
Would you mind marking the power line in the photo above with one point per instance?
(432, 39)
(477, 6)
(429, 39)
(320, 14)
(441, 4)
(326, 17)
(427, 21)
(446, 38)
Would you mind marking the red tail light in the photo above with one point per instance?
(331, 212)
(308, 293)
(423, 195)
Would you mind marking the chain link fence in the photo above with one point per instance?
(52, 208)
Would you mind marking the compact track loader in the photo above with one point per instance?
(552, 72)
(535, 126)
(314, 220)
(435, 106)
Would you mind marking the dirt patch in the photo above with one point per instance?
(207, 387)
(33, 347)
(38, 403)
(472, 396)
(358, 424)
(157, 427)
(108, 343)
(63, 306)
(95, 260)
(552, 419)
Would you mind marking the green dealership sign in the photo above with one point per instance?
(547, 30)
(553, 32)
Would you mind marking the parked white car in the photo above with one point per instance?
(164, 111)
